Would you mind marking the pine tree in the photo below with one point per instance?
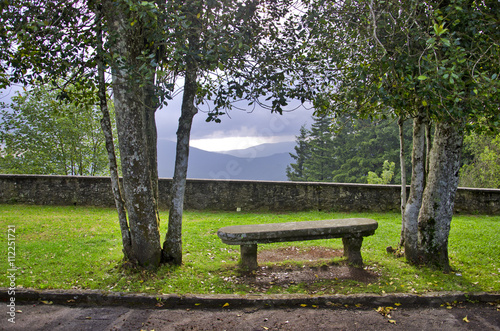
(320, 165)
(295, 171)
(344, 150)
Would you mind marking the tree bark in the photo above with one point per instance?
(439, 196)
(172, 247)
(130, 91)
(428, 146)
(410, 219)
(110, 147)
(402, 154)
(152, 138)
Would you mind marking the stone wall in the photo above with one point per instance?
(204, 194)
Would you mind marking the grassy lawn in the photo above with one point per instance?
(80, 247)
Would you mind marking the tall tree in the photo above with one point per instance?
(147, 45)
(215, 44)
(435, 62)
(296, 171)
(132, 42)
(321, 163)
(51, 40)
(172, 247)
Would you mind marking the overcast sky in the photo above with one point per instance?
(238, 130)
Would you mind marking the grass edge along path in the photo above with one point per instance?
(79, 248)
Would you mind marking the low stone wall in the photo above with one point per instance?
(204, 194)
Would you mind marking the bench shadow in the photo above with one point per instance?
(307, 267)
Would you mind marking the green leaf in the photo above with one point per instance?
(439, 29)
(422, 77)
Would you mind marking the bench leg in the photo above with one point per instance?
(248, 257)
(352, 250)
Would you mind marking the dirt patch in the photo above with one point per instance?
(298, 254)
(311, 267)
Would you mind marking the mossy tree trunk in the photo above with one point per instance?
(429, 209)
(133, 121)
(439, 196)
(414, 202)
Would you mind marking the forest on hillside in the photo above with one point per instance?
(347, 150)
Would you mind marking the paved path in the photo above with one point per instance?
(53, 317)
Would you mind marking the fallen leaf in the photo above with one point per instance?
(465, 319)
(303, 305)
(197, 304)
(225, 305)
(384, 311)
(70, 300)
(265, 328)
(46, 302)
(19, 311)
(449, 307)
(392, 321)
(397, 304)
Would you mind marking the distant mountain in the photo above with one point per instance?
(263, 150)
(260, 163)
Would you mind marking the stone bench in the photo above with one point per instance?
(351, 230)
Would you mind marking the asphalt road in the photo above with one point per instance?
(42, 316)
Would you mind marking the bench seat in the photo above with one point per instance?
(351, 230)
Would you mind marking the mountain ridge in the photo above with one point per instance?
(214, 165)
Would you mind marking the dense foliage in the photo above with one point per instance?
(345, 151)
(145, 46)
(482, 165)
(40, 134)
(435, 62)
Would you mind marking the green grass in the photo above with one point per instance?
(80, 247)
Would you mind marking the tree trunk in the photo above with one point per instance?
(439, 196)
(172, 247)
(152, 141)
(428, 146)
(130, 91)
(108, 135)
(410, 219)
(402, 161)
